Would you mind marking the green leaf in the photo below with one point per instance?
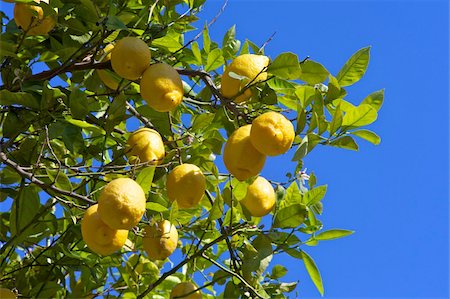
(278, 271)
(367, 135)
(346, 142)
(79, 107)
(285, 66)
(145, 178)
(301, 151)
(170, 42)
(214, 60)
(18, 98)
(281, 86)
(301, 120)
(239, 189)
(360, 116)
(334, 90)
(336, 122)
(153, 206)
(313, 72)
(114, 23)
(23, 210)
(305, 94)
(354, 68)
(375, 99)
(313, 271)
(293, 196)
(206, 40)
(291, 216)
(59, 178)
(333, 234)
(230, 45)
(197, 54)
(217, 209)
(315, 195)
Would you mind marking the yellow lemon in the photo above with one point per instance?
(147, 145)
(260, 197)
(98, 236)
(160, 240)
(161, 87)
(183, 288)
(249, 66)
(32, 20)
(272, 134)
(186, 184)
(130, 58)
(121, 204)
(7, 294)
(240, 157)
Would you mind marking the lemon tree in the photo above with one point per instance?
(111, 151)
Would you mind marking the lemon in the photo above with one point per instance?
(130, 58)
(147, 145)
(98, 236)
(7, 294)
(161, 87)
(251, 67)
(272, 133)
(260, 197)
(160, 240)
(183, 288)
(32, 20)
(121, 204)
(240, 157)
(186, 184)
(108, 78)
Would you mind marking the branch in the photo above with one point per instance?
(17, 168)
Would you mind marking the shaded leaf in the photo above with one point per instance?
(290, 216)
(346, 142)
(375, 99)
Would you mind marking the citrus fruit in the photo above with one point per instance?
(98, 236)
(7, 294)
(32, 20)
(260, 197)
(248, 66)
(272, 133)
(121, 203)
(108, 78)
(186, 184)
(160, 240)
(161, 87)
(240, 157)
(147, 145)
(183, 288)
(130, 58)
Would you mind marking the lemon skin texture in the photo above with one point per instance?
(240, 157)
(272, 134)
(130, 58)
(161, 87)
(183, 288)
(260, 198)
(98, 236)
(146, 145)
(246, 65)
(32, 20)
(186, 184)
(121, 204)
(160, 240)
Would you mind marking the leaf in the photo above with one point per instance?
(170, 42)
(23, 210)
(239, 189)
(114, 23)
(354, 68)
(79, 107)
(360, 116)
(305, 94)
(293, 196)
(301, 120)
(214, 60)
(367, 135)
(278, 271)
(290, 217)
(346, 142)
(313, 72)
(281, 86)
(217, 209)
(197, 54)
(313, 271)
(333, 234)
(336, 122)
(285, 66)
(145, 178)
(315, 195)
(375, 99)
(59, 178)
(206, 39)
(153, 206)
(18, 98)
(301, 151)
(230, 45)
(334, 90)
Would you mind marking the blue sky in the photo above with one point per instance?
(395, 195)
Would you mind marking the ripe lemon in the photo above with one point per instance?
(260, 197)
(108, 78)
(147, 145)
(130, 58)
(32, 20)
(7, 294)
(161, 87)
(240, 157)
(250, 66)
(183, 288)
(98, 236)
(121, 203)
(272, 134)
(186, 184)
(160, 240)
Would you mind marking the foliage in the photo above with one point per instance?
(64, 137)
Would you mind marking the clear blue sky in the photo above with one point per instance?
(395, 195)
